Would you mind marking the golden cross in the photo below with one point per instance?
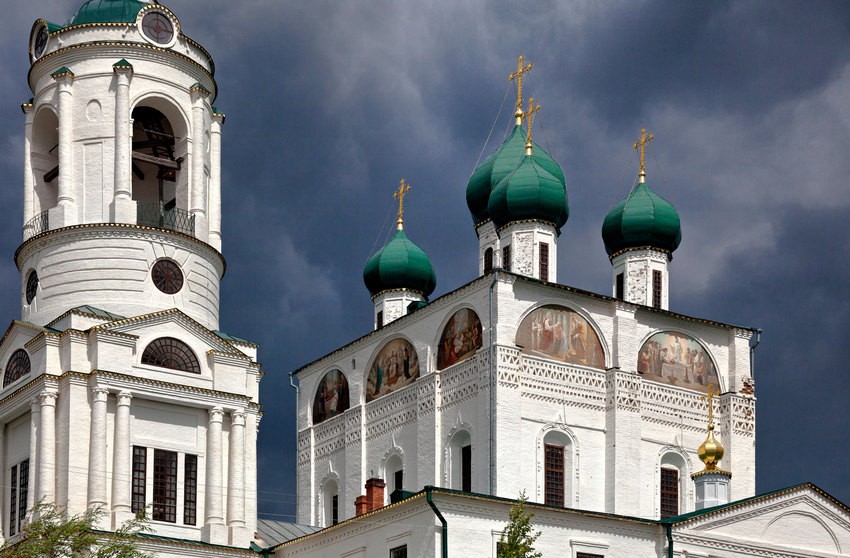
(520, 70)
(530, 117)
(640, 145)
(403, 188)
(710, 394)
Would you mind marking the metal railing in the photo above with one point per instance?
(154, 214)
(36, 226)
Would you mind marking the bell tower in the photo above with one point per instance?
(122, 202)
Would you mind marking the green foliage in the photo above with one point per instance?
(55, 534)
(518, 538)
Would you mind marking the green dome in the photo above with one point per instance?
(530, 192)
(643, 219)
(107, 11)
(500, 164)
(400, 264)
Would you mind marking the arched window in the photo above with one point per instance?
(330, 503)
(672, 474)
(488, 260)
(460, 461)
(394, 475)
(169, 352)
(557, 457)
(17, 366)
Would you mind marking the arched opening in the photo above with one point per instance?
(160, 183)
(17, 367)
(460, 461)
(557, 469)
(488, 260)
(330, 503)
(671, 490)
(168, 352)
(44, 158)
(393, 475)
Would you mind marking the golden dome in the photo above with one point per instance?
(711, 450)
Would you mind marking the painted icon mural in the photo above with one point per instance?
(331, 397)
(558, 332)
(395, 367)
(676, 359)
(461, 338)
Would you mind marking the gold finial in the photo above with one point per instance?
(530, 117)
(640, 145)
(403, 188)
(520, 70)
(711, 451)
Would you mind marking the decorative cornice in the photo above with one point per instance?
(668, 253)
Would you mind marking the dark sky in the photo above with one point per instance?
(329, 104)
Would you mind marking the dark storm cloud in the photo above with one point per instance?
(329, 104)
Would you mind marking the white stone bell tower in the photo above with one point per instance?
(122, 169)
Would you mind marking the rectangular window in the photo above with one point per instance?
(506, 257)
(399, 552)
(669, 492)
(618, 289)
(19, 480)
(544, 261)
(380, 319)
(488, 260)
(398, 479)
(165, 486)
(656, 288)
(23, 488)
(13, 501)
(466, 468)
(588, 555)
(335, 509)
(554, 475)
(190, 490)
(140, 462)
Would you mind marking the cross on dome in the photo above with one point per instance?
(530, 117)
(518, 75)
(403, 188)
(640, 145)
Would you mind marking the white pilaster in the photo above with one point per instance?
(29, 186)
(214, 530)
(239, 535)
(3, 521)
(47, 448)
(123, 207)
(35, 421)
(121, 471)
(97, 449)
(198, 185)
(65, 214)
(215, 181)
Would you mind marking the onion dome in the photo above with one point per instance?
(642, 220)
(107, 11)
(711, 450)
(400, 264)
(530, 193)
(500, 164)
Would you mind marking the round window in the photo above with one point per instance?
(158, 27)
(167, 276)
(32, 286)
(40, 43)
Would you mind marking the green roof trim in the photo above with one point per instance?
(228, 337)
(98, 312)
(643, 219)
(107, 11)
(63, 71)
(198, 87)
(401, 264)
(122, 64)
(53, 27)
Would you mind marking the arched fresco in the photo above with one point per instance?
(331, 397)
(395, 367)
(676, 359)
(560, 333)
(461, 338)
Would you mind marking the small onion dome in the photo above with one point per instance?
(643, 219)
(711, 451)
(400, 264)
(107, 11)
(529, 193)
(500, 164)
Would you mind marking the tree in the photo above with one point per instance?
(517, 540)
(54, 534)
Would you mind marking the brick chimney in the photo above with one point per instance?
(360, 505)
(373, 499)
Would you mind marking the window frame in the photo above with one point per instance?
(155, 353)
(18, 475)
(488, 260)
(657, 288)
(667, 496)
(557, 490)
(506, 257)
(543, 263)
(179, 498)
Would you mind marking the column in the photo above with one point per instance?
(239, 536)
(197, 184)
(35, 421)
(97, 449)
(29, 187)
(214, 530)
(215, 181)
(66, 212)
(122, 473)
(123, 208)
(3, 521)
(47, 448)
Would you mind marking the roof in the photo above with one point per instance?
(271, 532)
(107, 11)
(401, 264)
(91, 310)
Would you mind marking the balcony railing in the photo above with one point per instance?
(36, 226)
(154, 214)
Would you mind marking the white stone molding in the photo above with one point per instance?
(35, 421)
(215, 181)
(97, 449)
(236, 471)
(47, 447)
(66, 215)
(121, 464)
(572, 473)
(214, 484)
(197, 184)
(394, 451)
(448, 449)
(123, 206)
(632, 365)
(29, 182)
(669, 455)
(321, 512)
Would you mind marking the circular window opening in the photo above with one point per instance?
(158, 27)
(167, 276)
(32, 286)
(40, 42)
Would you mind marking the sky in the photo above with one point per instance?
(329, 104)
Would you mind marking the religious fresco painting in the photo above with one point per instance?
(331, 397)
(396, 366)
(461, 338)
(560, 333)
(678, 360)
